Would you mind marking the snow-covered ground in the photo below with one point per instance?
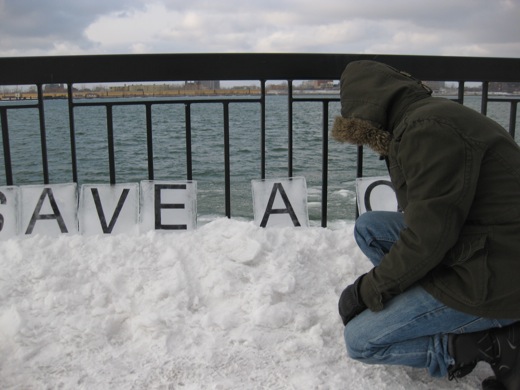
(226, 306)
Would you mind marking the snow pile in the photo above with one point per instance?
(227, 306)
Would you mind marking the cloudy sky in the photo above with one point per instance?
(436, 27)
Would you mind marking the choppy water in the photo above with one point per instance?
(208, 149)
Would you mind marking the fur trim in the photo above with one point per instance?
(361, 132)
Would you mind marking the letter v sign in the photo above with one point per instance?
(107, 229)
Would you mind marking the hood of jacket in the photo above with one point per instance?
(374, 97)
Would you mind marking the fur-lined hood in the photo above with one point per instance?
(374, 97)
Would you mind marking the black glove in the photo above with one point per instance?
(350, 303)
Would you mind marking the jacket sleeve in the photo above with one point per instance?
(437, 168)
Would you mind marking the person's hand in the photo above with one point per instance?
(350, 302)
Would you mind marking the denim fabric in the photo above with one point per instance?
(412, 329)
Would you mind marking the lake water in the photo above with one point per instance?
(208, 150)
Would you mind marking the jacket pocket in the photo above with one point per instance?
(468, 259)
(472, 241)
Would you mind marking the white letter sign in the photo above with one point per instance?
(168, 205)
(375, 193)
(109, 209)
(9, 218)
(49, 210)
(280, 202)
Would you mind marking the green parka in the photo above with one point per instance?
(456, 174)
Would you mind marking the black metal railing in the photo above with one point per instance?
(74, 70)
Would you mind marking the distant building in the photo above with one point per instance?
(504, 87)
(55, 88)
(210, 84)
(436, 86)
(324, 84)
(317, 84)
(204, 84)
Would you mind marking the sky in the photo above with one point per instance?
(427, 27)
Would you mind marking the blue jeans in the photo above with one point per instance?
(412, 329)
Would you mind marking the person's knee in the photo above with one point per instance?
(362, 227)
(355, 341)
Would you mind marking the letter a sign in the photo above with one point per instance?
(280, 202)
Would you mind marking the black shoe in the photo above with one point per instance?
(460, 370)
(468, 349)
(492, 383)
(500, 347)
(506, 366)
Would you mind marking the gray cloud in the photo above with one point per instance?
(444, 27)
(40, 26)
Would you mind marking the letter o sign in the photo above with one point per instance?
(376, 193)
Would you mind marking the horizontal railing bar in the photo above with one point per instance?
(234, 66)
(157, 102)
(14, 107)
(504, 100)
(316, 100)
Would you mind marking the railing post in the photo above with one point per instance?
(359, 172)
(149, 140)
(7, 147)
(43, 135)
(72, 132)
(325, 164)
(262, 129)
(484, 102)
(187, 120)
(460, 97)
(227, 170)
(290, 127)
(512, 118)
(111, 152)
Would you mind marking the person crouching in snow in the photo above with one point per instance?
(444, 292)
